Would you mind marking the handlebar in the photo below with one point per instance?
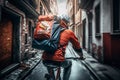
(75, 58)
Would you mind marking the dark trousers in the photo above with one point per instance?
(65, 64)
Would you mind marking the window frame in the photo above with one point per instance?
(116, 17)
(97, 21)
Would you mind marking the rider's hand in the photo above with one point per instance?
(82, 58)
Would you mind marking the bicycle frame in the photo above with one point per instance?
(57, 76)
(58, 68)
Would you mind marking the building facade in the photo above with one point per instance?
(100, 20)
(70, 12)
(75, 13)
(17, 23)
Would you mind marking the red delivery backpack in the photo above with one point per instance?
(42, 31)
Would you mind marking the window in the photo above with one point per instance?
(25, 38)
(77, 5)
(84, 33)
(90, 23)
(116, 16)
(97, 20)
(30, 29)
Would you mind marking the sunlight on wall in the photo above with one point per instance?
(62, 7)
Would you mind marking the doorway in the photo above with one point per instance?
(9, 38)
(84, 33)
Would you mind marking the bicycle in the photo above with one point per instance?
(58, 69)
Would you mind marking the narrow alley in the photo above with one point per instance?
(95, 24)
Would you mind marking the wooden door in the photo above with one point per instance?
(5, 43)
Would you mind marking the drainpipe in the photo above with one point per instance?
(73, 15)
(0, 13)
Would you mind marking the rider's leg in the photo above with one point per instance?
(51, 73)
(67, 69)
(50, 70)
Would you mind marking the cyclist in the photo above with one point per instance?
(58, 58)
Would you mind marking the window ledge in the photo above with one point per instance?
(115, 35)
(98, 35)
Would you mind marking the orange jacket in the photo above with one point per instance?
(65, 37)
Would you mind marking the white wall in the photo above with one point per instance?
(83, 15)
(106, 15)
(105, 21)
(95, 40)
